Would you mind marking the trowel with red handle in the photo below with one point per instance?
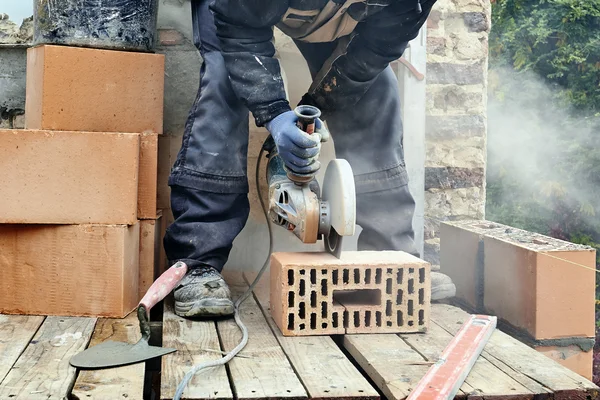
(112, 354)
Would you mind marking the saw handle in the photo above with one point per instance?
(163, 285)
(306, 118)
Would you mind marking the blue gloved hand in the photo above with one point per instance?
(297, 149)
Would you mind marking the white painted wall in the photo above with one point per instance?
(413, 118)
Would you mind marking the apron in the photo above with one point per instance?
(331, 22)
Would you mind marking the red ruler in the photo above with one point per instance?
(445, 377)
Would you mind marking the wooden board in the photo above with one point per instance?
(192, 339)
(320, 364)
(392, 364)
(43, 370)
(523, 360)
(15, 333)
(253, 377)
(112, 383)
(484, 380)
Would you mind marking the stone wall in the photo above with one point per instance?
(456, 124)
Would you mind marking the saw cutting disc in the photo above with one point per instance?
(339, 192)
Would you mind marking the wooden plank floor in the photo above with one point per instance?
(114, 383)
(42, 371)
(35, 353)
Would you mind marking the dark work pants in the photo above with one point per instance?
(208, 181)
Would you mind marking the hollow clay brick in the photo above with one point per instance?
(150, 241)
(56, 177)
(542, 285)
(363, 292)
(70, 270)
(571, 357)
(461, 258)
(82, 89)
(148, 176)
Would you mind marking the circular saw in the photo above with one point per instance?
(297, 203)
(312, 214)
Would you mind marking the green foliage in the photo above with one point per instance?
(557, 39)
(544, 91)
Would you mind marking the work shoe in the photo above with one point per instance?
(203, 293)
(441, 286)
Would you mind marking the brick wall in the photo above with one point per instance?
(456, 123)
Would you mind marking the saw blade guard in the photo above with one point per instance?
(340, 194)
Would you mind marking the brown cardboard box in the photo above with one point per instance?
(70, 270)
(56, 177)
(82, 89)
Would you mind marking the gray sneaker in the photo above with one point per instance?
(203, 293)
(441, 286)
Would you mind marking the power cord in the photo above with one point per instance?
(215, 363)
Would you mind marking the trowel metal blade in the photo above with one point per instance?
(113, 354)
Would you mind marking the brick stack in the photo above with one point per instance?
(78, 190)
(542, 288)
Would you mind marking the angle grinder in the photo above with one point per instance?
(297, 203)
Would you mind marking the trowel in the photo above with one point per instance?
(113, 354)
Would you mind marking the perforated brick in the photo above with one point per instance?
(363, 292)
(541, 285)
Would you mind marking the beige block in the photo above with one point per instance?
(148, 180)
(150, 243)
(70, 270)
(82, 89)
(56, 177)
(363, 292)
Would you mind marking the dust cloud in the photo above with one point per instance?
(539, 149)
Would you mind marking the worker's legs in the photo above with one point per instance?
(369, 136)
(208, 181)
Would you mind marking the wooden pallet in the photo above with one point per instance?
(35, 353)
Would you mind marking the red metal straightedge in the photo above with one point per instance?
(445, 377)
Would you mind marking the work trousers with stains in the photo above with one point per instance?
(209, 185)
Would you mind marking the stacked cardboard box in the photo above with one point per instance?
(78, 233)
